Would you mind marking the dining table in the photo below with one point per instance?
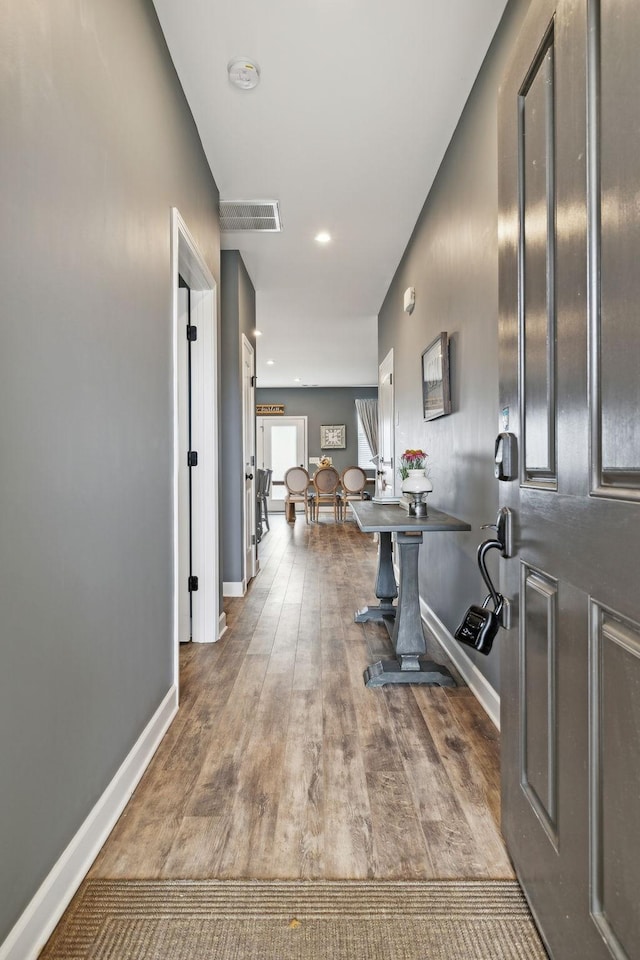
(396, 528)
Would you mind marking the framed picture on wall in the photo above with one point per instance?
(436, 389)
(333, 436)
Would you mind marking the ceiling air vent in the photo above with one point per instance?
(258, 215)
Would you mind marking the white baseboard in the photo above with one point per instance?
(478, 684)
(222, 627)
(231, 588)
(35, 926)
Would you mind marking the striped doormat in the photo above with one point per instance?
(296, 920)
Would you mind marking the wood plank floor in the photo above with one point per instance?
(282, 765)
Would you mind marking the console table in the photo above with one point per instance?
(404, 621)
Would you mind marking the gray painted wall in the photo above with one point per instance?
(237, 317)
(323, 405)
(97, 145)
(452, 261)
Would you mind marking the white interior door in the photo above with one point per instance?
(249, 456)
(184, 493)
(282, 443)
(386, 435)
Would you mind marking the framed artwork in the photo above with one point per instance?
(436, 390)
(333, 437)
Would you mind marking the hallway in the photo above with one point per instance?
(281, 765)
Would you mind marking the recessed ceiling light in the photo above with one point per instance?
(270, 363)
(257, 333)
(243, 73)
(323, 237)
(297, 380)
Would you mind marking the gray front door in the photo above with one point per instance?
(570, 385)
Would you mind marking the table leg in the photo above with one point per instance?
(386, 589)
(408, 637)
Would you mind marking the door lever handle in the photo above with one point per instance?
(504, 531)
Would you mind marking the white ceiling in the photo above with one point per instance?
(357, 103)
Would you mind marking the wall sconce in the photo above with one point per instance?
(409, 300)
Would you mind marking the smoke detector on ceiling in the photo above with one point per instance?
(243, 73)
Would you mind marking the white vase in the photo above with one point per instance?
(416, 483)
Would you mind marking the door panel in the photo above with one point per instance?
(616, 36)
(615, 770)
(538, 657)
(184, 492)
(249, 457)
(537, 168)
(569, 360)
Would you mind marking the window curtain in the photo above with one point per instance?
(368, 412)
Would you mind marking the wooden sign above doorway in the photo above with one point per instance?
(270, 409)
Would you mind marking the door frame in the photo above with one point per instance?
(186, 260)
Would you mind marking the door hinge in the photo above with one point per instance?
(192, 333)
(253, 381)
(193, 584)
(192, 458)
(390, 379)
(253, 539)
(253, 460)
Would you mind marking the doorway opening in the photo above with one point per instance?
(282, 443)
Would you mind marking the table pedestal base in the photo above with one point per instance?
(404, 621)
(377, 612)
(390, 671)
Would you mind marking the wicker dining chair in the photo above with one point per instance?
(296, 480)
(353, 482)
(326, 481)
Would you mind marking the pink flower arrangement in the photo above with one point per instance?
(412, 460)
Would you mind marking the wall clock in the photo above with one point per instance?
(333, 437)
